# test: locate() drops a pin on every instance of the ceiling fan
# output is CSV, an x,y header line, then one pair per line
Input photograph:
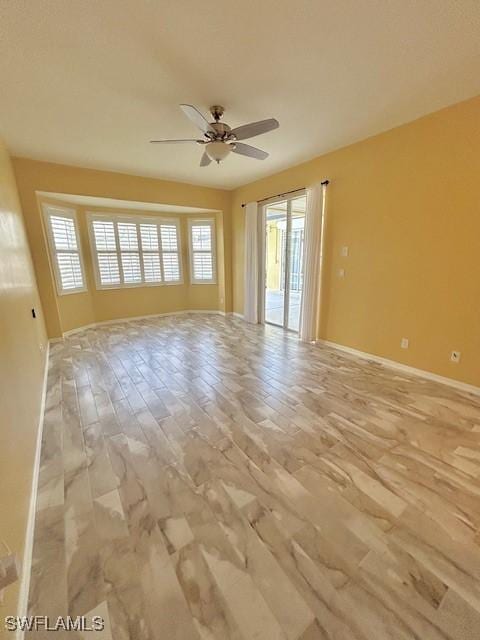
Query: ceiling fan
x,y
220,139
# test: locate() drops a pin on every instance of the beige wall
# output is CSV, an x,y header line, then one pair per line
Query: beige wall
x,y
22,360
68,312
406,203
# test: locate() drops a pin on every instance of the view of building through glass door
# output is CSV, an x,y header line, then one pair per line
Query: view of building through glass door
x,y
284,240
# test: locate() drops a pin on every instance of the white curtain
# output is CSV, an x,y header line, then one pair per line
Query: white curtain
x,y
314,217
250,308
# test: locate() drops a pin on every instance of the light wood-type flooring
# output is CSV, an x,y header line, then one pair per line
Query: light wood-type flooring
x,y
206,479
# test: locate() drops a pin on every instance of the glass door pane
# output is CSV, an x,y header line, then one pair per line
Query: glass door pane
x,y
294,275
275,262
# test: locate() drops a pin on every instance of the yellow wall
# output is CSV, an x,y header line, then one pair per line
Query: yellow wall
x,y
273,261
22,360
67,312
407,204
99,305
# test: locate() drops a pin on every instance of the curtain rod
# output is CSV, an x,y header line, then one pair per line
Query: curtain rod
x,y
286,193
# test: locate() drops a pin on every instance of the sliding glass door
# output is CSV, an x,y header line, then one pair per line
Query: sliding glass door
x,y
275,245
295,261
284,224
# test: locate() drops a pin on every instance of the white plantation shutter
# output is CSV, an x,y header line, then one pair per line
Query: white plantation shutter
x,y
108,268
106,246
63,231
149,236
151,267
170,257
201,237
202,251
64,249
130,257
70,271
171,267
151,252
202,266
135,253
127,236
169,237
104,233
131,268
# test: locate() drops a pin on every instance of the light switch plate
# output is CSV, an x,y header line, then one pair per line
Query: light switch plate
x,y
344,252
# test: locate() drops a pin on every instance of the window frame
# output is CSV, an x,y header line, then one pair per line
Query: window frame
x,y
50,210
212,223
138,220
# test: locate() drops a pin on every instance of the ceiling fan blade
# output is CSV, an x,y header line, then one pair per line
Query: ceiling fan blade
x,y
248,150
205,160
197,118
255,128
176,141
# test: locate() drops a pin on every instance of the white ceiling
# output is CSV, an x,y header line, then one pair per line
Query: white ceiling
x,y
89,82
114,203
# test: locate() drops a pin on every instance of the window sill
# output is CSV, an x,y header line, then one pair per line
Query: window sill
x,y
72,292
141,285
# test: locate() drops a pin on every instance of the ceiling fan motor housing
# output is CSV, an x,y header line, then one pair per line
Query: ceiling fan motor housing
x,y
222,130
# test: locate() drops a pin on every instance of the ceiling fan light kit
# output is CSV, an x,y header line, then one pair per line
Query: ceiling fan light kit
x,y
218,150
220,139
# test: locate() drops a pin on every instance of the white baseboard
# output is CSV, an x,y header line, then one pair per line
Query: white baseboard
x,y
22,606
72,332
393,364
214,311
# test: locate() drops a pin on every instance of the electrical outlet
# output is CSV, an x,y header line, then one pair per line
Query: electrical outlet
x,y
404,343
344,252
455,356
341,273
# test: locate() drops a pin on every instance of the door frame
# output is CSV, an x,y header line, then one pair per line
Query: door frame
x,y
262,254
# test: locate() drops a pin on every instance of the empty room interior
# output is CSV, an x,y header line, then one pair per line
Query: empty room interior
x,y
240,320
